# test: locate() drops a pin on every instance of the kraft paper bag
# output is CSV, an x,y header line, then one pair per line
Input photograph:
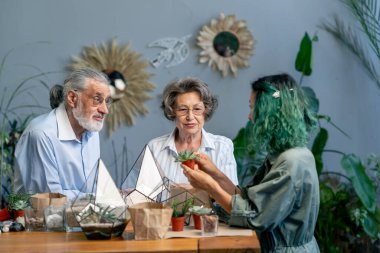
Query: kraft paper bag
x,y
40,201
181,192
150,220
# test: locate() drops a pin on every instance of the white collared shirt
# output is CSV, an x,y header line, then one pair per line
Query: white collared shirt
x,y
218,148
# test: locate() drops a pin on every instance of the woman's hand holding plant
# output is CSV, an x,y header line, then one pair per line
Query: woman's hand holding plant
x,y
198,178
205,164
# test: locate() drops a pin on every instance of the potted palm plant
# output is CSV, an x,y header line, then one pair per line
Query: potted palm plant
x,y
179,211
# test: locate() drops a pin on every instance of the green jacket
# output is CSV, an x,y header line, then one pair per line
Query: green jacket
x,y
282,203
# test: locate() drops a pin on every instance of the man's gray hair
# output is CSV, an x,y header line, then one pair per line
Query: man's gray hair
x,y
77,80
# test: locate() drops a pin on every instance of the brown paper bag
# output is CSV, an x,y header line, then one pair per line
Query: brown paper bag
x,y
181,192
40,201
150,220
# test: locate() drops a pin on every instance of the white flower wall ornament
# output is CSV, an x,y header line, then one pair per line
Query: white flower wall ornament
x,y
175,51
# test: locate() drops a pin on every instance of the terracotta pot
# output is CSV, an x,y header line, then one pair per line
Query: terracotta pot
x,y
178,223
18,213
4,214
197,221
189,163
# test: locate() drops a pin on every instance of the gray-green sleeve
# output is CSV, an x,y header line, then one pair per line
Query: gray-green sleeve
x,y
265,205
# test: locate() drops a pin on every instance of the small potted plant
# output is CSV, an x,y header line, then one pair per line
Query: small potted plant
x,y
196,212
179,211
17,202
187,157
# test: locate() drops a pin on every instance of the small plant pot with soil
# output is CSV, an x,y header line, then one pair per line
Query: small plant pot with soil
x,y
178,223
179,212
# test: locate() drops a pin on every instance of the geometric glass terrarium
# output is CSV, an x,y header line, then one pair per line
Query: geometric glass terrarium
x,y
145,182
100,209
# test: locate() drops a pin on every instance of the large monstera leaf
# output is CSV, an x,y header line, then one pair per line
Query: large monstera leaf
x,y
362,184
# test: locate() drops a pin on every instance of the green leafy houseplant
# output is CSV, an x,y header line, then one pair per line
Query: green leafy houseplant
x,y
13,120
349,214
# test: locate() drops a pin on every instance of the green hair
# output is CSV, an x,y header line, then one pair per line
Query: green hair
x,y
282,117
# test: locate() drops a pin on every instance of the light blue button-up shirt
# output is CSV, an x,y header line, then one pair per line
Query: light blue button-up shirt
x,y
218,148
49,157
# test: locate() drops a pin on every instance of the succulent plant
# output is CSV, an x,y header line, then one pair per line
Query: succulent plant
x,y
18,201
187,157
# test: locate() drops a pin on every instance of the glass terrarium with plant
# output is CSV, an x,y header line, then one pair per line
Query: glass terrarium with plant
x,y
100,209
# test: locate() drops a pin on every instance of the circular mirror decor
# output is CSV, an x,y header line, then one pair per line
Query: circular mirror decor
x,y
226,44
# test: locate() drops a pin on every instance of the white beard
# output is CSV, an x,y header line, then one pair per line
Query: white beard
x,y
87,123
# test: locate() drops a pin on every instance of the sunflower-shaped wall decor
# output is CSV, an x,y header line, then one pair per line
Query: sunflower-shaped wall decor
x,y
129,80
226,44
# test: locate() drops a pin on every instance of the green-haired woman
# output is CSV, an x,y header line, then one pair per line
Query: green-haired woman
x,y
282,202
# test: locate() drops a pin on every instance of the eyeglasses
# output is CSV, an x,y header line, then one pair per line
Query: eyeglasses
x,y
98,100
182,111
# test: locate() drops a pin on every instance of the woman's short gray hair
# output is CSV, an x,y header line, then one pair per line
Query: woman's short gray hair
x,y
178,87
77,80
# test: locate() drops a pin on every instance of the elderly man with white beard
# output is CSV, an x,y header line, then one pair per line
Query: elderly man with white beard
x,y
58,150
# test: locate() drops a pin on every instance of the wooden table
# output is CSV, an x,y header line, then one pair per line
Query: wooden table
x,y
28,242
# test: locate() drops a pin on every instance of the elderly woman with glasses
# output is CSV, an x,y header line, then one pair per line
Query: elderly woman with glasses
x,y
282,202
189,103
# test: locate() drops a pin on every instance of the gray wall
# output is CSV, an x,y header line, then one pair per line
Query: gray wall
x,y
344,89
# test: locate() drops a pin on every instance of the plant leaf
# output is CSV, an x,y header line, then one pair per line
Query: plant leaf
x,y
304,55
312,99
318,147
363,186
371,225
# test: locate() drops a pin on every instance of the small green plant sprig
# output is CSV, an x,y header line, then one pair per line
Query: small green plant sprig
x,y
179,211
186,155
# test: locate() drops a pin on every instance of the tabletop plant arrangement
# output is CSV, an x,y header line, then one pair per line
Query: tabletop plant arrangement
x,y
187,157
179,211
